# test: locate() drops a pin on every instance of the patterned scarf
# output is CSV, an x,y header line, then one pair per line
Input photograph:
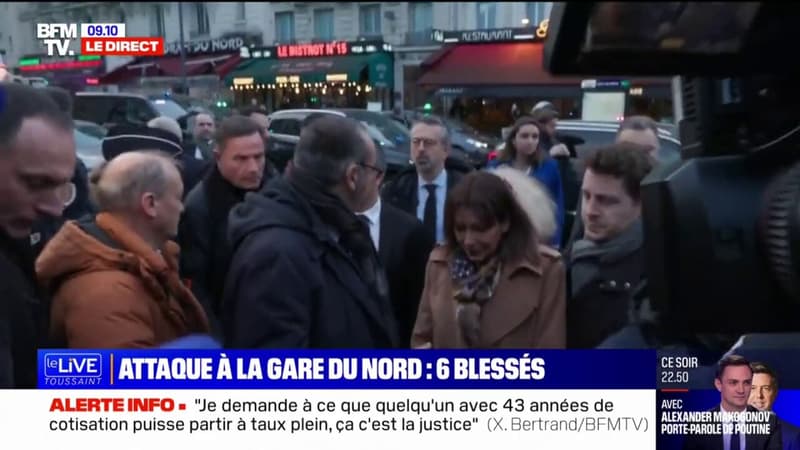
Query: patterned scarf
x,y
473,287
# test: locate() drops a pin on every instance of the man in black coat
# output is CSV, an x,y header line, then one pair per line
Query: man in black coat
x,y
304,271
37,162
238,168
606,266
403,247
421,189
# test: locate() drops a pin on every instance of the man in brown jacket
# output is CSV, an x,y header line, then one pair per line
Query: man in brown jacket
x,y
114,279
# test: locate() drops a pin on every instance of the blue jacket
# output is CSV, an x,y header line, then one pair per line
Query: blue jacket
x,y
548,174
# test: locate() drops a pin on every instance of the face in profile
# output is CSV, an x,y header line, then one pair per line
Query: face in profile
x,y
242,161
367,179
763,392
169,206
735,385
479,239
607,209
428,149
36,169
526,141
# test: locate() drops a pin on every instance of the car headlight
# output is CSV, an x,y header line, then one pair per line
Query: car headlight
x,y
478,144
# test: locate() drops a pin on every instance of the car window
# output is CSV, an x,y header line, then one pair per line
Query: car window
x,y
592,139
288,126
139,111
92,109
169,108
393,131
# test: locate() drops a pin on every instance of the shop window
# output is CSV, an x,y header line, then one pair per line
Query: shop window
x,y
323,24
284,27
370,20
241,11
487,15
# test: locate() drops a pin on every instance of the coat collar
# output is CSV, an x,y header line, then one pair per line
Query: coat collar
x,y
530,262
160,262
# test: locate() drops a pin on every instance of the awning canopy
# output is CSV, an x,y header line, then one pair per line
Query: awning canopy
x,y
501,63
170,66
377,68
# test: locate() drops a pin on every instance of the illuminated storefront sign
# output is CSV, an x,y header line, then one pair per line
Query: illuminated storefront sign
x,y
317,49
539,33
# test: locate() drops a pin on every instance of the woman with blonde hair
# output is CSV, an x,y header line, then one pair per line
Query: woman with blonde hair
x,y
490,285
523,151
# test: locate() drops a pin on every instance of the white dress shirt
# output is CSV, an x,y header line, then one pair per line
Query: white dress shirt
x,y
373,215
726,437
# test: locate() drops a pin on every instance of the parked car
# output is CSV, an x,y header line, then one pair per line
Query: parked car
x,y
91,128
285,125
466,143
109,109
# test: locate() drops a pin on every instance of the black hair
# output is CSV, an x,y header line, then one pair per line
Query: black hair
x,y
61,96
624,160
234,127
730,361
328,145
19,102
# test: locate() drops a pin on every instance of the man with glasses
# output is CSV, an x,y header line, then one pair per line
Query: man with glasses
x,y
403,247
421,190
37,162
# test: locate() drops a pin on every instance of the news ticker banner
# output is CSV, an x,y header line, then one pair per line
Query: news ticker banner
x,y
100,39
343,399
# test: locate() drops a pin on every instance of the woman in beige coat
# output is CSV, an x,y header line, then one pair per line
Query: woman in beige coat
x,y
490,285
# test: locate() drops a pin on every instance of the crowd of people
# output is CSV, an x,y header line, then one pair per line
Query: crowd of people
x,y
170,239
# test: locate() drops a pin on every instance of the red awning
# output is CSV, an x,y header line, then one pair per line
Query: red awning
x,y
218,65
505,63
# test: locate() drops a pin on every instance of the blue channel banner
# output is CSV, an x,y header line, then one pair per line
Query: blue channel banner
x,y
346,369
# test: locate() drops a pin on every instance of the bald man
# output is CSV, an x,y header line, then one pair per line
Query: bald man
x,y
114,279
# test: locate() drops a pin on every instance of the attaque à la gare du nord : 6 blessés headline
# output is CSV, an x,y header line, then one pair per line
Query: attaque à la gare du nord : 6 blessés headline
x,y
96,39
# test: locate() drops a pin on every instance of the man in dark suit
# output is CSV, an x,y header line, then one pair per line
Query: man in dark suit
x,y
734,379
403,247
762,397
421,189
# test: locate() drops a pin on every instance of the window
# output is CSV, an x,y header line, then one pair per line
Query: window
x,y
157,21
284,26
369,19
121,16
285,126
201,26
421,16
487,14
323,24
538,11
241,11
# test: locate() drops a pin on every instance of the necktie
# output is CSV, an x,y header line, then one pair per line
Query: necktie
x,y
365,220
429,216
735,441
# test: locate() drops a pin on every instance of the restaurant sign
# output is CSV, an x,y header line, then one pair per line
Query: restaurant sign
x,y
528,34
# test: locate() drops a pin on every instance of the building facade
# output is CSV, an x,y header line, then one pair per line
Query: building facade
x,y
407,27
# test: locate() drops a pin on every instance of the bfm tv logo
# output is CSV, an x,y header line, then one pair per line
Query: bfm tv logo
x,y
77,365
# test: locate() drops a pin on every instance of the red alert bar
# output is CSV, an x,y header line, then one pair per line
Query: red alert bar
x,y
123,46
